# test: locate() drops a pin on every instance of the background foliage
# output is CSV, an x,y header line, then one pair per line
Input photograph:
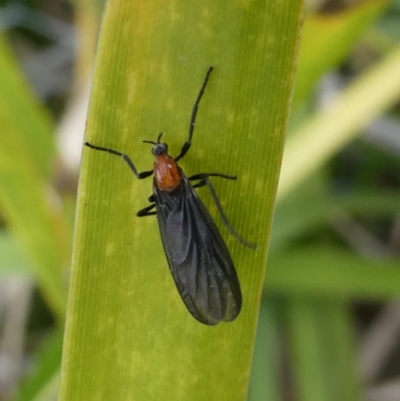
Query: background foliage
x,y
329,321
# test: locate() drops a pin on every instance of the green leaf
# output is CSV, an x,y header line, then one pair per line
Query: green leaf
x,y
313,208
327,40
11,260
329,272
334,127
128,334
266,369
322,350
45,372
30,205
19,107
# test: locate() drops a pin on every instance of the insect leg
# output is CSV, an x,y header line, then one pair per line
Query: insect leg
x,y
201,176
124,157
224,219
146,211
186,145
200,184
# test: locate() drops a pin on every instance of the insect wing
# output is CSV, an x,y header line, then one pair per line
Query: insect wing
x,y
198,258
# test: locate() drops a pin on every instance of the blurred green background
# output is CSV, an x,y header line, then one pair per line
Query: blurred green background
x,y
329,325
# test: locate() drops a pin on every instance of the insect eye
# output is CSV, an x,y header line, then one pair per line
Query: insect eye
x,y
160,149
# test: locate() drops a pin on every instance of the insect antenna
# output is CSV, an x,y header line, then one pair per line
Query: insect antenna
x,y
188,143
158,139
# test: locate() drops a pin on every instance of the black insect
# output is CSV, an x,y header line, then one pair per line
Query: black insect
x,y
198,258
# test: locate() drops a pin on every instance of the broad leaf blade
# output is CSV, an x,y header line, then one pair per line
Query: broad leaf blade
x,y
128,333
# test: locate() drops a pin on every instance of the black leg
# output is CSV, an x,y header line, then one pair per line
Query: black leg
x,y
124,157
224,219
146,211
186,145
206,175
200,184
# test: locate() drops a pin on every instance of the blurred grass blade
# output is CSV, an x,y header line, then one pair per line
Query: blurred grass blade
x,y
19,105
327,40
265,369
306,350
313,208
331,129
12,261
46,370
33,212
333,273
124,311
50,390
322,350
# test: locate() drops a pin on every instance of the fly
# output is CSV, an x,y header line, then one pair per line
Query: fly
x,y
197,255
